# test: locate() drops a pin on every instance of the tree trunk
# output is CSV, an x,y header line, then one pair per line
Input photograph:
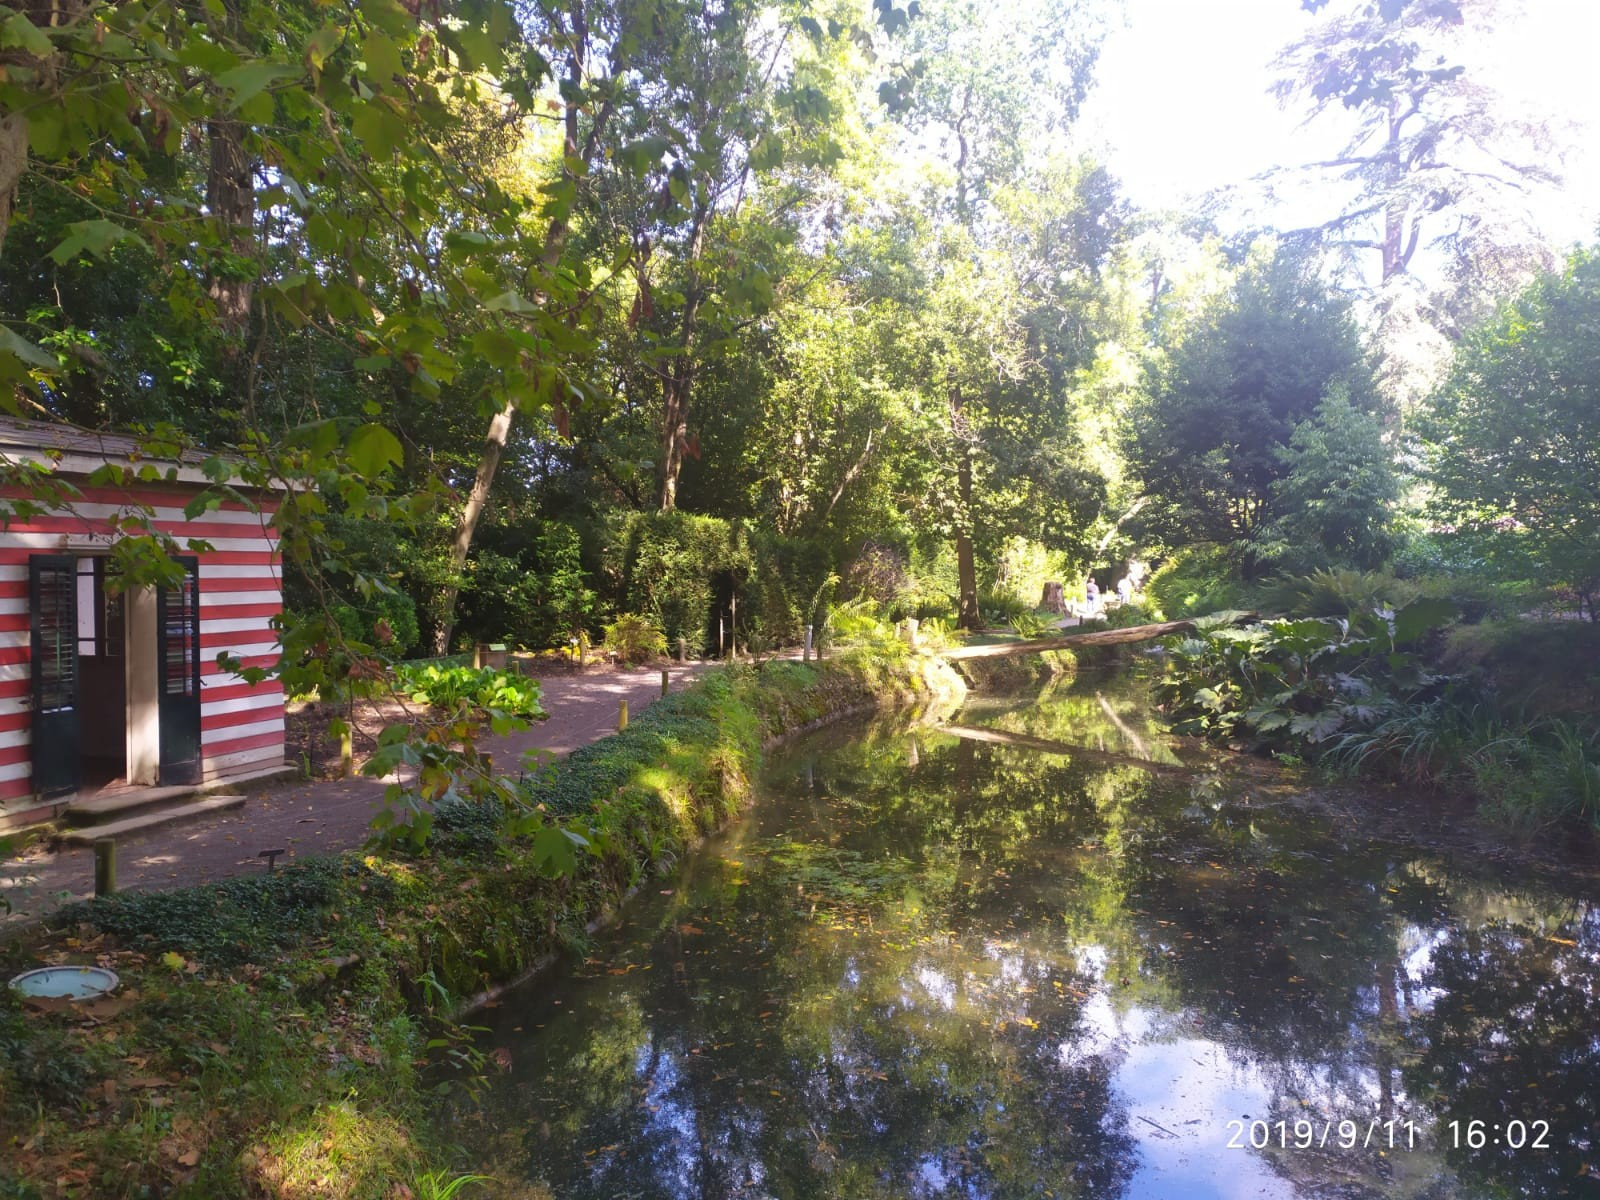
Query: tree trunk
x,y
967,615
13,165
674,435
675,392
46,79
494,445
231,197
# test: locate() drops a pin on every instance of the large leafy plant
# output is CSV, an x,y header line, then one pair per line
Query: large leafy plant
x,y
496,692
1299,684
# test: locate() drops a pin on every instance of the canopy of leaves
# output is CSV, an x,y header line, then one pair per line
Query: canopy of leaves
x,y
1208,442
1515,430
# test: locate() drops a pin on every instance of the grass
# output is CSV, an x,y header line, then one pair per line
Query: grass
x,y
287,1034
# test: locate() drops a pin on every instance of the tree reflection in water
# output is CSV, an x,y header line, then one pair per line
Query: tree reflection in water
x,y
928,966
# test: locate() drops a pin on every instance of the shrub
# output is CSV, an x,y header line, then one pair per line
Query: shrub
x,y
859,627
684,570
386,621
533,594
238,920
1135,612
1197,580
635,639
1030,624
1297,685
483,688
878,573
1002,607
1336,593
1537,668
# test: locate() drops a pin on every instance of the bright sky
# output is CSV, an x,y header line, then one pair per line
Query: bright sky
x,y
1182,104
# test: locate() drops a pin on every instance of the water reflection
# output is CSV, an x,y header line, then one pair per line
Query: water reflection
x,y
932,966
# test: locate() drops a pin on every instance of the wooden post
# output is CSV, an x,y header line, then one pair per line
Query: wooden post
x,y
347,751
805,653
683,649
665,679
105,866
622,716
477,656
733,626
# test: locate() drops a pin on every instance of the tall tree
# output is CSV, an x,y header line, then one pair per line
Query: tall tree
x,y
1208,440
1432,153
982,96
1515,432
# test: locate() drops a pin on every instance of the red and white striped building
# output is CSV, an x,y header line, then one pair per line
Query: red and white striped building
x,y
105,686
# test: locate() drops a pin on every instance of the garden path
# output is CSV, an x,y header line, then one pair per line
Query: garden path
x,y
307,818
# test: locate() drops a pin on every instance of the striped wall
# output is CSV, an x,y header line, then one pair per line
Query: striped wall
x,y
241,725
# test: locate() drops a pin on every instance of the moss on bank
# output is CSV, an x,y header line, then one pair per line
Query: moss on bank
x,y
272,1032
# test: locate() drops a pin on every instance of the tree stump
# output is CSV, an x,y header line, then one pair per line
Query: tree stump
x,y
1054,599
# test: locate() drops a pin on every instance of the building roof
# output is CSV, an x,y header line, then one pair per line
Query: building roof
x,y
70,450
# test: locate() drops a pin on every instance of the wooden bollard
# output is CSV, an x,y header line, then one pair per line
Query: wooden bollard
x,y
622,716
105,866
347,752
665,680
683,649
805,652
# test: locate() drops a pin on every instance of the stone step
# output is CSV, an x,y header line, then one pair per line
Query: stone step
x,y
152,818
125,801
122,802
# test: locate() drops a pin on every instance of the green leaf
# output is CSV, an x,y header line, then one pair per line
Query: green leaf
x,y
555,849
1421,616
47,133
481,48
22,33
637,158
13,344
373,450
1319,726
94,237
383,58
510,302
321,44
495,347
380,131
767,153
250,80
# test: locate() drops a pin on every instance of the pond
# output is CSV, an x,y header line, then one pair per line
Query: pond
x,y
1041,955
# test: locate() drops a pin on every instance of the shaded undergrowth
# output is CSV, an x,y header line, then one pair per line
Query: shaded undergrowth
x,y
284,1034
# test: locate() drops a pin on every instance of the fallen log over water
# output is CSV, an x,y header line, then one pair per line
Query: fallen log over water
x,y
1099,637
998,737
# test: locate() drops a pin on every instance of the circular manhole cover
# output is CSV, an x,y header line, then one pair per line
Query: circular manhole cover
x,y
69,983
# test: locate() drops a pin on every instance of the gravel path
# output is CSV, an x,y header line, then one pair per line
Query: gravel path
x,y
311,818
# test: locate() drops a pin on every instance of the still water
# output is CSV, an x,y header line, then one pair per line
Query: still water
x,y
1040,956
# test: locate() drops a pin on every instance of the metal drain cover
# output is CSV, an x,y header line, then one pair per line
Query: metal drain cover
x,y
66,983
